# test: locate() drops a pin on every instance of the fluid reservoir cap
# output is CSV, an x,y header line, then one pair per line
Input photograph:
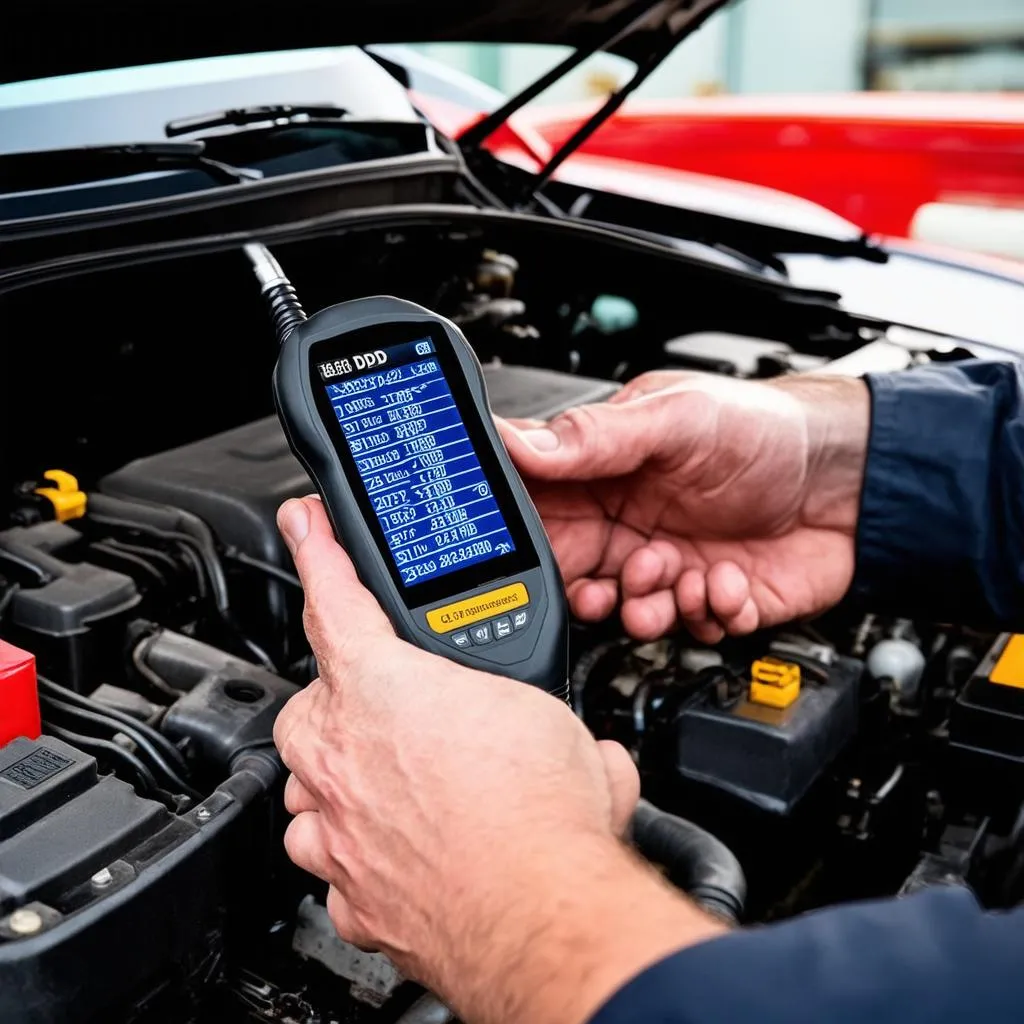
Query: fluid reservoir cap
x,y
67,498
899,660
774,682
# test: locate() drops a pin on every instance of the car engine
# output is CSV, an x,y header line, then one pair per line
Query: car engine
x,y
146,597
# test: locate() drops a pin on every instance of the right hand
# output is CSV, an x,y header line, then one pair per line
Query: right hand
x,y
731,505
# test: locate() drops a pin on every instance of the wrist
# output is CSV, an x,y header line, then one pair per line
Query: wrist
x,y
837,412
581,926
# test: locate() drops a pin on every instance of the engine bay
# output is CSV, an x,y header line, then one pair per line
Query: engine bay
x,y
142,578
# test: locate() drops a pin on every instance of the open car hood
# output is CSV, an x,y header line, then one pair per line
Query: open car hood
x,y
44,38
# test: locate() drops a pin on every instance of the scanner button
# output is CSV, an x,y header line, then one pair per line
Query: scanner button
x,y
481,634
520,619
502,627
461,640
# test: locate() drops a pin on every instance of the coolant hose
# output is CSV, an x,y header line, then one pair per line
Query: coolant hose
x,y
698,863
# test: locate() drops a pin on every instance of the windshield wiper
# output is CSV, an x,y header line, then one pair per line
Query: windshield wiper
x,y
275,114
58,168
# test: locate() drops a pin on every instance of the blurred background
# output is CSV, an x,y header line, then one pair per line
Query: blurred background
x,y
830,46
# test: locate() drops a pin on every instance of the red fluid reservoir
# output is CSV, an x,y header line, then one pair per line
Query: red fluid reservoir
x,y
19,698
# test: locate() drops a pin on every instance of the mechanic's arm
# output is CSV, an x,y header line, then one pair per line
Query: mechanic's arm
x,y
932,958
467,825
941,527
735,505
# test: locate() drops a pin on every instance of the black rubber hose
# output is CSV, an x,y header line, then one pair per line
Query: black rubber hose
x,y
265,567
106,748
187,530
141,742
698,863
158,739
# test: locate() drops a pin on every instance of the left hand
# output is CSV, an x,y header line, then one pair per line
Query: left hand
x,y
442,804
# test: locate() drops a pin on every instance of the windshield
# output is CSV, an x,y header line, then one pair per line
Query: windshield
x,y
338,106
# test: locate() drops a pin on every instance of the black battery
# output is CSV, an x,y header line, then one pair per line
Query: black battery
x,y
986,729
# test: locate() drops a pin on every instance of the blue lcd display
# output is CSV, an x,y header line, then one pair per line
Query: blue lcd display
x,y
418,465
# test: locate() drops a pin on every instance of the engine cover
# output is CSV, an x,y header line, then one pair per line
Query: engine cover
x,y
236,480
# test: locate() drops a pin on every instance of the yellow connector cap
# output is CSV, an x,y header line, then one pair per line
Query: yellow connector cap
x,y
774,696
67,498
774,682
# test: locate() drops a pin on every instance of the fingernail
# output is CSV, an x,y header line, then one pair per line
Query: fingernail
x,y
542,439
293,522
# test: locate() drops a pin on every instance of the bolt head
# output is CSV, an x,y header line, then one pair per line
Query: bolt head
x,y
25,922
203,814
102,878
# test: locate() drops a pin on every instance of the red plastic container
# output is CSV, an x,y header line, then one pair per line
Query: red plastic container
x,y
19,696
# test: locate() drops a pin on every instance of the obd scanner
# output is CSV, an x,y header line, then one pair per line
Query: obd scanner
x,y
384,404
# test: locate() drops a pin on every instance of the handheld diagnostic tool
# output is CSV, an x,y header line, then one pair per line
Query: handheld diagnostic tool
x,y
384,404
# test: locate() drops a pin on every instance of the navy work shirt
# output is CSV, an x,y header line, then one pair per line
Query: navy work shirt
x,y
940,536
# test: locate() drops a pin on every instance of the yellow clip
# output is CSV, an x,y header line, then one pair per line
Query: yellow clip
x,y
774,682
67,498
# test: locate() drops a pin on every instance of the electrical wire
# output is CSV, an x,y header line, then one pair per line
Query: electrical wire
x,y
265,567
41,575
286,312
140,741
107,747
55,691
157,681
214,573
5,601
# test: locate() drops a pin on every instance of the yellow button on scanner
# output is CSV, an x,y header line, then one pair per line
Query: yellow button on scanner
x,y
473,609
1009,669
774,682
67,498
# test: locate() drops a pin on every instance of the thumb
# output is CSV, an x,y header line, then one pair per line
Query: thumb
x,y
341,615
623,783
589,441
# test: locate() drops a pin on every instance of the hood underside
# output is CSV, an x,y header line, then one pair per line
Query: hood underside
x,y
45,38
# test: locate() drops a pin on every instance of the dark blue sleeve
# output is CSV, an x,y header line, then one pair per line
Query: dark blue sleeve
x,y
941,528
931,958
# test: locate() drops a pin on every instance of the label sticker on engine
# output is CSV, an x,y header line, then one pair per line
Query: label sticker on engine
x,y
36,768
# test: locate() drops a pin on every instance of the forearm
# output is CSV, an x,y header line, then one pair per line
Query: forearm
x,y
838,416
573,927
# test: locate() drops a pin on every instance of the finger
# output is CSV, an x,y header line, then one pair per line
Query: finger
x,y
516,423
746,620
705,631
651,617
729,598
691,598
728,589
304,842
296,727
341,615
692,595
623,783
593,600
591,441
297,798
343,919
656,566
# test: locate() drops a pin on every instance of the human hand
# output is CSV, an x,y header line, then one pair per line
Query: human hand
x,y
465,822
731,505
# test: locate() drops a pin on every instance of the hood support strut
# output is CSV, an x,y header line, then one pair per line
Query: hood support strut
x,y
598,118
477,134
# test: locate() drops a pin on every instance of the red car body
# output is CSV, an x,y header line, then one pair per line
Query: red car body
x,y
873,158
